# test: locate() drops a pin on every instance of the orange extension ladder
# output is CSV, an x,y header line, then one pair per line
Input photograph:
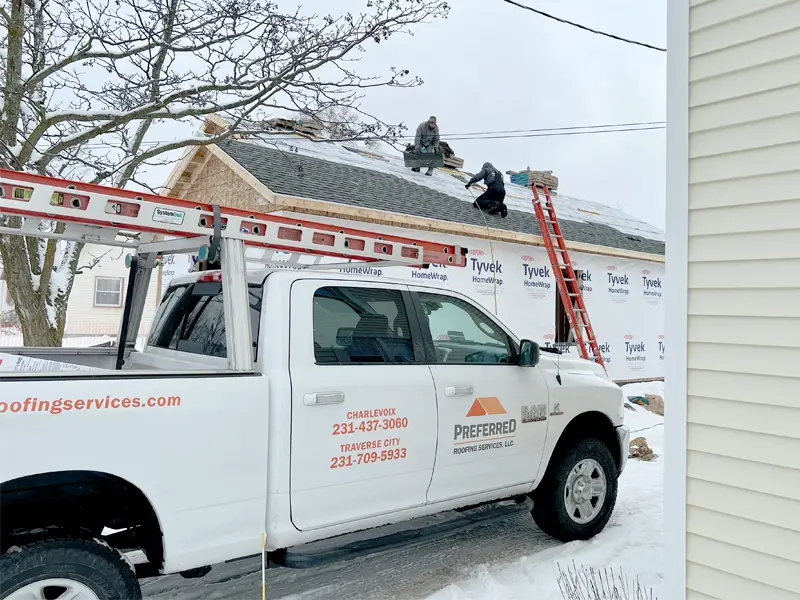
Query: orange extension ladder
x,y
566,280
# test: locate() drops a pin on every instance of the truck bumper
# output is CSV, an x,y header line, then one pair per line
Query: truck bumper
x,y
624,437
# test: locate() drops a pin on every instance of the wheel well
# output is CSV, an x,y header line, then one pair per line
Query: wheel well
x,y
589,425
80,504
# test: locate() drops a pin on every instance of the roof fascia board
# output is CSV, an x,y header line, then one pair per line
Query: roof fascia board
x,y
379,217
178,169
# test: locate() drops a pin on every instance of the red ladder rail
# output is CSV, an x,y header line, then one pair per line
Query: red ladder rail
x,y
110,211
568,287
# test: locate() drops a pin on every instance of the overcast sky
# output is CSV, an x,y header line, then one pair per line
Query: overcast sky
x,y
491,66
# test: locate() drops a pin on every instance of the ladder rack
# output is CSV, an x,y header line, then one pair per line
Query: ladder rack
x,y
566,281
111,216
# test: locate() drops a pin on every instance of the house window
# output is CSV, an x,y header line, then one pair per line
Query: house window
x,y
108,291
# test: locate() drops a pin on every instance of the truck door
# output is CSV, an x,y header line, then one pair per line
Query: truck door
x,y
492,413
363,403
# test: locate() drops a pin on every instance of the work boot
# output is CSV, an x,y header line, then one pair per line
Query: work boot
x,y
504,212
415,169
429,171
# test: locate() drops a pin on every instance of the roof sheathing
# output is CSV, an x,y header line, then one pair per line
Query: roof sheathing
x,y
331,172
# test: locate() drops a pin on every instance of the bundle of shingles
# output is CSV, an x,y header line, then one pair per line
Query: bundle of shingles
x,y
310,127
540,178
450,158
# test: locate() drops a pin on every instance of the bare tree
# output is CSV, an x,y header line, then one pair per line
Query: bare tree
x,y
88,82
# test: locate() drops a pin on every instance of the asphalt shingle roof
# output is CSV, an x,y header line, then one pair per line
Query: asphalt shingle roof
x,y
318,179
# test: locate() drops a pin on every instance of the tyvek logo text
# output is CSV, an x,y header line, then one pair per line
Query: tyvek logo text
x,y
605,351
486,271
362,271
617,282
651,286
536,276
634,351
430,274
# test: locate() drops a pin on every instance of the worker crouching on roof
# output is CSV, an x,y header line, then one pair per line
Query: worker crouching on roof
x,y
493,199
427,140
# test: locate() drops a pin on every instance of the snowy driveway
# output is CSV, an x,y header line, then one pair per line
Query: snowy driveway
x,y
411,572
509,559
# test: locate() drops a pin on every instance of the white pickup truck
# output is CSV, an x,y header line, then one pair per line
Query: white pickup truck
x,y
370,402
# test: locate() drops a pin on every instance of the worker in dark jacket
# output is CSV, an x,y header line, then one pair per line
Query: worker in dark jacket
x,y
427,140
493,199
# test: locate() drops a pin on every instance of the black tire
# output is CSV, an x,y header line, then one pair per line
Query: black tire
x,y
549,500
92,564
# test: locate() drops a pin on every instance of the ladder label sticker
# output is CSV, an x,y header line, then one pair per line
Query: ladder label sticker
x,y
168,215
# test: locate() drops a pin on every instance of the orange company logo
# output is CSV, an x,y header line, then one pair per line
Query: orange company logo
x,y
486,406
484,435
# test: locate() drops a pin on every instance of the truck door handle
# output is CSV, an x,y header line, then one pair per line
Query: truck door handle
x,y
458,390
323,398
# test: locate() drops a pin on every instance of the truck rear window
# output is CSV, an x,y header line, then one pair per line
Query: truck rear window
x,y
191,319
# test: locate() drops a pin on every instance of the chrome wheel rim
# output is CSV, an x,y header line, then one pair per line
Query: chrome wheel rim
x,y
585,491
54,589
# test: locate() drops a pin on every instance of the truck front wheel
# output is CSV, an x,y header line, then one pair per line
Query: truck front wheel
x,y
577,496
66,569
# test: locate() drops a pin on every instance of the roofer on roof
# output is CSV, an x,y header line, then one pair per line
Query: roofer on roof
x,y
427,140
493,199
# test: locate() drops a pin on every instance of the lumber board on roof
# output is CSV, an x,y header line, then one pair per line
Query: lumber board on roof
x,y
453,161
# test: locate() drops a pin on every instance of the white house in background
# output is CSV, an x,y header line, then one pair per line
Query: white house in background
x,y
733,307
98,294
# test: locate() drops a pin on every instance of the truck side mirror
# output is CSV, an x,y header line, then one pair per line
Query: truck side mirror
x,y
528,354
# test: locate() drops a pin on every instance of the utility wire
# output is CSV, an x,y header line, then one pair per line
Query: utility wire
x,y
584,27
556,131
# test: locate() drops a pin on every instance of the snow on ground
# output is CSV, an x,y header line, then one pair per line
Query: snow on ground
x,y
517,197
505,560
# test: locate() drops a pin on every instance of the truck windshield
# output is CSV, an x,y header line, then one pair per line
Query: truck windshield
x,y
191,319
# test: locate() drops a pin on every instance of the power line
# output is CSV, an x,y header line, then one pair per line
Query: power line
x,y
558,133
484,135
584,27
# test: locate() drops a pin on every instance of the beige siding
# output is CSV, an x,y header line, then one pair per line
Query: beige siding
x,y
743,432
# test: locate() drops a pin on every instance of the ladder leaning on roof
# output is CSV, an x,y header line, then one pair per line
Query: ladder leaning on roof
x,y
115,217
566,281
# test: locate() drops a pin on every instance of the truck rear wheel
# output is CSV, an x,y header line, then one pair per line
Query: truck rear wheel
x,y
68,568
578,494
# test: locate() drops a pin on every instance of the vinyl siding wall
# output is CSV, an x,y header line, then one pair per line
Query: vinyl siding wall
x,y
83,317
743,430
